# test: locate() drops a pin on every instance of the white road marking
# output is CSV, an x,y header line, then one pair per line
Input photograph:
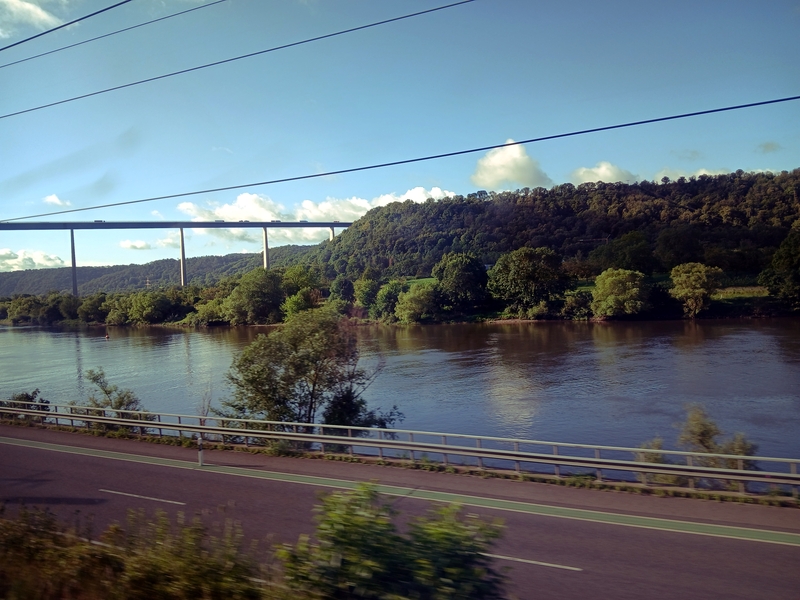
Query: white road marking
x,y
532,562
144,497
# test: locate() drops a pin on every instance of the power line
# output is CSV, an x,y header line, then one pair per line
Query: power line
x,y
415,160
78,20
100,37
235,58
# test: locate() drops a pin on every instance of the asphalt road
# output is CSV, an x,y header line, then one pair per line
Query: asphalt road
x,y
558,542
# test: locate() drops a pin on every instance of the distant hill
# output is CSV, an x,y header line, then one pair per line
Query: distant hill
x,y
203,270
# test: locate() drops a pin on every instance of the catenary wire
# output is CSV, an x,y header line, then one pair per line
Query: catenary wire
x,y
235,58
105,35
78,20
418,159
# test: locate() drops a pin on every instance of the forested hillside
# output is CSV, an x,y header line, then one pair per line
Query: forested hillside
x,y
733,221
202,271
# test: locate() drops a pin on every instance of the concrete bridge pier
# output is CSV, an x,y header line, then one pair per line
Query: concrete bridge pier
x,y
266,248
74,264
330,237
183,261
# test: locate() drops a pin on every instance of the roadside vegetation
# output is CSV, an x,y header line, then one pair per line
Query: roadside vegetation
x,y
601,251
356,553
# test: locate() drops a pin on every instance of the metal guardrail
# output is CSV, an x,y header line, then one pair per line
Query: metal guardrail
x,y
500,452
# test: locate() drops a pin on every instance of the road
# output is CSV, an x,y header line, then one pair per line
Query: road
x,y
559,542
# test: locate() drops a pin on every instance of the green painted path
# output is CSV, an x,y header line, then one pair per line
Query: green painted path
x,y
677,526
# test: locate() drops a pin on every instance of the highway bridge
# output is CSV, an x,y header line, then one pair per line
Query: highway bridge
x,y
179,225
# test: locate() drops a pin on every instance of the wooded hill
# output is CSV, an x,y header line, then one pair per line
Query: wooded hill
x,y
202,271
733,221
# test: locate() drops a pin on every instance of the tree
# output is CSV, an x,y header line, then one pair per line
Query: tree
x,y
462,280
365,291
299,277
358,553
678,245
90,309
149,307
386,300
256,300
694,284
631,251
528,277
305,299
296,371
782,278
421,303
342,288
118,401
618,293
699,434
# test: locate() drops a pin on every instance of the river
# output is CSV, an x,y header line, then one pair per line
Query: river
x,y
594,383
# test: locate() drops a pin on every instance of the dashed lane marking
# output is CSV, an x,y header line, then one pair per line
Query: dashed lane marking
x,y
578,514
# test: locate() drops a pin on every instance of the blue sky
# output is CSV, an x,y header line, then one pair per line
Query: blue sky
x,y
469,76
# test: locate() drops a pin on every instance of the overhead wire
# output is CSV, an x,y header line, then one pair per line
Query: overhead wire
x,y
105,35
78,20
235,58
416,160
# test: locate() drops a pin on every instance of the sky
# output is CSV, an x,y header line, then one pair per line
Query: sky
x,y
478,74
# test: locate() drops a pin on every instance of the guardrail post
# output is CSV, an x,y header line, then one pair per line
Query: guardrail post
x,y
158,418
742,488
200,449
598,472
411,439
380,448
793,470
350,434
557,466
444,454
690,463
180,433
516,462
480,458
246,439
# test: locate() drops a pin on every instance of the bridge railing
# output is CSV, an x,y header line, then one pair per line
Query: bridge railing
x,y
486,452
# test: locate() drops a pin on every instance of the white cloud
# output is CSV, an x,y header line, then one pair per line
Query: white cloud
x,y
602,171
135,245
157,214
254,207
510,164
173,240
14,13
55,200
27,259
674,174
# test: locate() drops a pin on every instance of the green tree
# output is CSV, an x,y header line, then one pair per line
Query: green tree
x,y
90,310
305,299
342,288
782,278
149,307
631,251
421,303
529,277
256,300
619,293
298,277
298,370
462,280
694,284
118,402
386,300
699,434
365,291
358,553
678,245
